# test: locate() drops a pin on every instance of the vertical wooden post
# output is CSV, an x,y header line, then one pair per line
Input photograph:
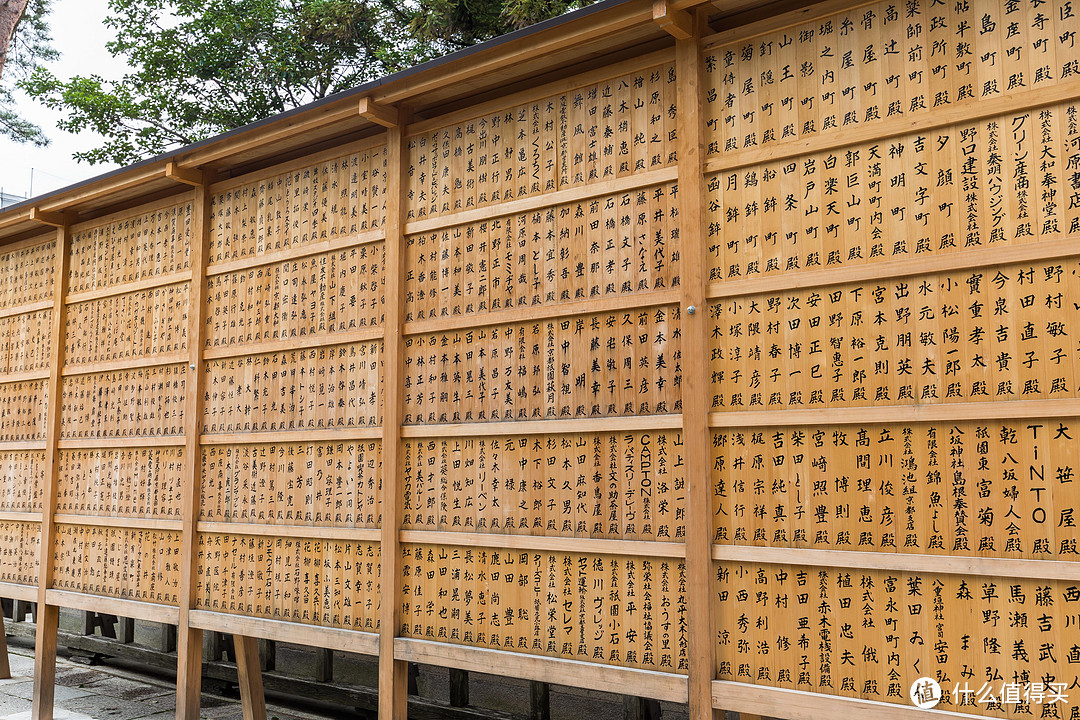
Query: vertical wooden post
x,y
324,665
696,436
127,630
267,655
539,701
189,639
5,668
252,699
393,674
48,616
167,643
459,688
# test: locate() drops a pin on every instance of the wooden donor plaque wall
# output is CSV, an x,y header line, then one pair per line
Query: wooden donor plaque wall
x,y
743,373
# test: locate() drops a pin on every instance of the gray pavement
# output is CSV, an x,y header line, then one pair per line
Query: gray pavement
x,y
104,693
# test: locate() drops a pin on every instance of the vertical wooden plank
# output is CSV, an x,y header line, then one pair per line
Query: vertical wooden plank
x,y
393,674
252,699
189,639
696,435
48,617
324,665
539,701
459,688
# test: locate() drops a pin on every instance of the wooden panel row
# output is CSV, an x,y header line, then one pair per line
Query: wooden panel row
x,y
605,130
1006,180
131,247
144,402
118,562
340,291
21,476
22,410
605,364
25,342
625,611
871,633
141,324
1003,489
592,485
326,387
330,583
996,333
329,484
860,67
19,557
26,274
121,482
607,246
342,196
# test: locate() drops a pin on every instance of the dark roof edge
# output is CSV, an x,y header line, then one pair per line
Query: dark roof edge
x,y
329,99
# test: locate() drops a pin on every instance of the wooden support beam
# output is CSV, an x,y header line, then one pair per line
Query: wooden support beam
x,y
167,641
187,176
677,23
53,219
5,667
252,698
459,688
127,630
267,655
638,708
539,701
190,639
393,673
324,665
48,616
695,327
383,115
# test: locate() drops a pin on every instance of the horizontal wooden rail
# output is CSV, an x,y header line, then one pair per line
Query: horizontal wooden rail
x,y
121,607
19,516
312,532
572,673
149,283
546,543
287,436
1066,247
14,591
22,445
105,443
113,521
294,253
353,641
542,312
947,412
26,308
618,186
801,705
901,562
536,427
174,358
295,343
24,376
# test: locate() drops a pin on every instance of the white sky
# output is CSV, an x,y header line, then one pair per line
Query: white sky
x,y
79,33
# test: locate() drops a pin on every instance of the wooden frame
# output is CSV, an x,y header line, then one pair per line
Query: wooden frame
x,y
509,370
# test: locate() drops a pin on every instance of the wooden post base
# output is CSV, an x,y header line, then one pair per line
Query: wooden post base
x,y
249,674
